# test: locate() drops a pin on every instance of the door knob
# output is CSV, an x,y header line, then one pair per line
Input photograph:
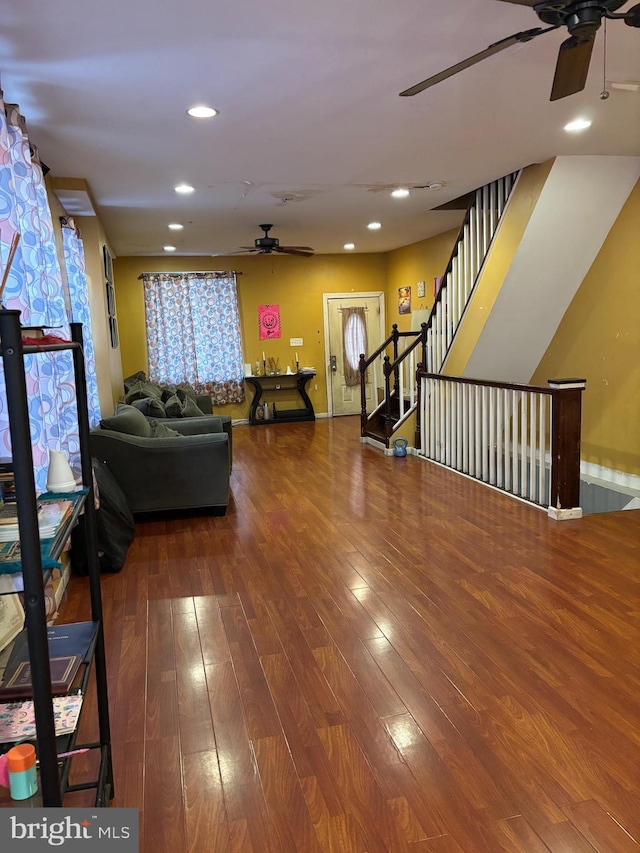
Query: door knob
x,y
332,364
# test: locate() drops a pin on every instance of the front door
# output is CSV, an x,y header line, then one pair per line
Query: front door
x,y
350,321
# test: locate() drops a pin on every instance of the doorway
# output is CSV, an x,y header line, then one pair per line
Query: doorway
x,y
353,323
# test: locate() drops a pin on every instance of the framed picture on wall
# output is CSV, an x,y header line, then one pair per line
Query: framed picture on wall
x,y
113,331
404,300
111,300
108,266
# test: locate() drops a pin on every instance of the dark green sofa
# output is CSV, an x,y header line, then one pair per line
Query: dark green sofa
x,y
171,403
168,464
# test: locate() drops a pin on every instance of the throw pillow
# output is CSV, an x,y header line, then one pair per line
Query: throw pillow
x,y
141,390
192,410
140,376
185,391
129,420
150,407
187,397
159,430
168,391
173,407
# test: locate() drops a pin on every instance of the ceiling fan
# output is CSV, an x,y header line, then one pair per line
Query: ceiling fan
x,y
267,245
582,19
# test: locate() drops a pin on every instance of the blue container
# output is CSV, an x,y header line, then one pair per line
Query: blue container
x,y
23,778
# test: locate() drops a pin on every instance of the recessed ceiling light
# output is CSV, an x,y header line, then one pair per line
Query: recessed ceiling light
x,y
200,111
169,248
434,186
185,189
577,124
349,246
401,192
175,226
374,226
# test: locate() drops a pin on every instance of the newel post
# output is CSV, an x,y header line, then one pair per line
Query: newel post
x,y
566,417
362,367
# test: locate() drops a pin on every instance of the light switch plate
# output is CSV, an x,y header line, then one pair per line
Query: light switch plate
x,y
295,342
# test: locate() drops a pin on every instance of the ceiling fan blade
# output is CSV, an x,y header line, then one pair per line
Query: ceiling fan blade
x,y
292,250
572,67
496,47
530,3
300,248
243,250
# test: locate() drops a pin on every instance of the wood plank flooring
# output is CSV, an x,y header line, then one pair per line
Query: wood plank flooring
x,y
371,654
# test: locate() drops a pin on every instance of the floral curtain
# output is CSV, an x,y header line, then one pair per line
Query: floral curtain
x,y
80,309
34,287
193,332
354,339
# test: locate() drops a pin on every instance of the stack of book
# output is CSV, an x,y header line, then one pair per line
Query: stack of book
x,y
68,648
51,514
7,480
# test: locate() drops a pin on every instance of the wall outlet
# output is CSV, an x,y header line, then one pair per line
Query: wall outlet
x,y
295,342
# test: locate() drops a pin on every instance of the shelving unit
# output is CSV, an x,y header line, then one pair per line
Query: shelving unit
x,y
54,778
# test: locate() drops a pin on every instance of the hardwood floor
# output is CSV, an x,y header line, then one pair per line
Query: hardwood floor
x,y
370,653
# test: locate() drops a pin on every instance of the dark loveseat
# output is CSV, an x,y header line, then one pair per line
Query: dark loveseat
x,y
169,464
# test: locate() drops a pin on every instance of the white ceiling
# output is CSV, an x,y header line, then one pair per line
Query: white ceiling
x,y
310,124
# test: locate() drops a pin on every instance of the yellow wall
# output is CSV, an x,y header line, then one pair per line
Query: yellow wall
x,y
295,284
599,340
408,265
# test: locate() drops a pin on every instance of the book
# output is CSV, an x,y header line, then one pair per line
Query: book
x,y
9,514
18,721
16,682
71,639
32,331
68,648
11,619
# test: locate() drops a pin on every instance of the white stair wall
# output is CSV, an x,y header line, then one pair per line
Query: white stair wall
x,y
578,205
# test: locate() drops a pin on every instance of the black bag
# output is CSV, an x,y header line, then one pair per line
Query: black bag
x,y
114,522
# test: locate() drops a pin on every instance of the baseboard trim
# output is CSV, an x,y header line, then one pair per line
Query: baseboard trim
x,y
622,481
564,514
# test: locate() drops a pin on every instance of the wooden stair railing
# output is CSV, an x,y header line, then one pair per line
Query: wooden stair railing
x,y
520,439
395,370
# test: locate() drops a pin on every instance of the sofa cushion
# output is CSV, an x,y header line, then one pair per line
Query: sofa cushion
x,y
160,430
151,407
129,420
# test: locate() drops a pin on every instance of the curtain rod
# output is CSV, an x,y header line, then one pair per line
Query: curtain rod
x,y
189,272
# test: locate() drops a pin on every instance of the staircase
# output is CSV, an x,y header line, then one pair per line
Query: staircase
x,y
392,367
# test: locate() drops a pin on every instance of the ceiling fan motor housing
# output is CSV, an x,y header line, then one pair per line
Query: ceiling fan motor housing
x,y
266,244
582,18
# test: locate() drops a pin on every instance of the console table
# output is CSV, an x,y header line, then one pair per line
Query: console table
x,y
284,382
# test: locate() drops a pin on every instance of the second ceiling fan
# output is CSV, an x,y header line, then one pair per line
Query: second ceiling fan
x,y
582,19
267,245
